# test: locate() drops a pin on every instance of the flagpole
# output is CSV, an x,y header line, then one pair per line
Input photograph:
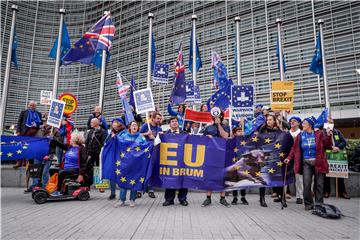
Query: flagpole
x,y
194,18
282,73
7,71
239,80
58,54
102,80
326,87
148,85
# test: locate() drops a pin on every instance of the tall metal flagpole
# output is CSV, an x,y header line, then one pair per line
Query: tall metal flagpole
x,y
148,85
326,86
194,18
102,79
7,71
58,54
282,73
239,81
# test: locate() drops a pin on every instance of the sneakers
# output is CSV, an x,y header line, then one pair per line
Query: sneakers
x,y
138,195
55,194
132,203
120,204
29,190
152,195
278,199
244,201
111,197
299,201
234,201
224,202
207,202
168,203
184,203
262,202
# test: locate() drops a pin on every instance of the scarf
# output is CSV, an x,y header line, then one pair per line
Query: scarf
x,y
33,119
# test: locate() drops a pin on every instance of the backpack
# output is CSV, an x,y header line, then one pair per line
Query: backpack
x,y
327,211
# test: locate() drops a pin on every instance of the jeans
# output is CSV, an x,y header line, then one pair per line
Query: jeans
x,y
308,172
59,154
123,194
299,185
112,187
45,173
35,181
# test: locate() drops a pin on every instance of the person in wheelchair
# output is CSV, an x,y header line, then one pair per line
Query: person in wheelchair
x,y
74,161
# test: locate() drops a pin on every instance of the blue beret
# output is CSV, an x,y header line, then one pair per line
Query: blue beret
x,y
259,105
310,120
119,120
295,118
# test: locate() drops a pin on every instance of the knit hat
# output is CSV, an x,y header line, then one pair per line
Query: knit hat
x,y
119,120
295,118
310,120
258,106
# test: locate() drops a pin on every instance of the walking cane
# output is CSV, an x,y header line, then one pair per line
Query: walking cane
x,y
283,203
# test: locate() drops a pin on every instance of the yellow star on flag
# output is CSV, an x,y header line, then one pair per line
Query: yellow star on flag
x,y
122,155
128,149
88,42
243,142
81,46
132,182
19,151
9,154
234,159
24,147
137,148
142,180
146,149
123,179
278,146
255,139
236,149
258,174
118,172
237,167
267,140
282,154
271,170
118,163
12,142
279,163
246,172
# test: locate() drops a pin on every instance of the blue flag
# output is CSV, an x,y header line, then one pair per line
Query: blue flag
x,y
198,57
129,117
178,94
21,147
127,163
89,48
153,53
65,44
319,123
132,89
13,50
316,63
220,72
222,97
278,57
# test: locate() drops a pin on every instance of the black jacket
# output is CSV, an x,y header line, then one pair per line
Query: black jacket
x,y
339,139
95,140
21,124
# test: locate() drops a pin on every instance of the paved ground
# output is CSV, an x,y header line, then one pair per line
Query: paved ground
x,y
98,219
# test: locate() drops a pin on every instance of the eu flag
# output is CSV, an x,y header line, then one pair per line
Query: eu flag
x,y
178,94
198,57
316,63
129,117
153,53
65,44
89,48
127,163
220,72
132,89
319,123
20,147
13,50
278,57
222,97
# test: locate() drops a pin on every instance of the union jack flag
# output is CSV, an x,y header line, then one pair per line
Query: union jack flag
x,y
122,90
102,33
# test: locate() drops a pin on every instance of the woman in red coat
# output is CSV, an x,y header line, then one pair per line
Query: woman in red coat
x,y
308,152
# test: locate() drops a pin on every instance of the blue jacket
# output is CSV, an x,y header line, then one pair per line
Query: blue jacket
x,y
128,137
180,116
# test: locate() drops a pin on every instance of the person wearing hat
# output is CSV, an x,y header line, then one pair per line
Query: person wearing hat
x,y
294,131
258,110
308,154
117,128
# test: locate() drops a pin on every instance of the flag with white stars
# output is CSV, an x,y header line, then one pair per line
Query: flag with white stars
x,y
197,96
21,147
161,73
242,96
127,163
189,86
144,101
222,97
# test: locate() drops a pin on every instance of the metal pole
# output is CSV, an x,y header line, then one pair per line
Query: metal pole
x,y
151,18
194,18
7,71
58,54
237,22
282,74
314,30
102,80
326,87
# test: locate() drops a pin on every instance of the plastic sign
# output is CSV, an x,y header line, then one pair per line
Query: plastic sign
x,y
70,101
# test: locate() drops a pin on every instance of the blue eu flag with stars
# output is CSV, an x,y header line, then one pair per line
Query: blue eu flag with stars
x,y
278,56
222,97
127,163
13,50
242,96
198,57
316,63
89,48
65,44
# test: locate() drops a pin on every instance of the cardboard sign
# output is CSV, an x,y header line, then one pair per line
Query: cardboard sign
x,y
71,103
100,183
144,101
45,97
282,95
56,113
338,164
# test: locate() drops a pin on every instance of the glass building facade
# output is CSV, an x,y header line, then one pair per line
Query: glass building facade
x,y
37,27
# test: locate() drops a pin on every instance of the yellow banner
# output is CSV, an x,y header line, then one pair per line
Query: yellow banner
x,y
282,95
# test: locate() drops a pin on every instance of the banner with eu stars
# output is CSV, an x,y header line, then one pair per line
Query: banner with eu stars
x,y
161,73
21,147
127,163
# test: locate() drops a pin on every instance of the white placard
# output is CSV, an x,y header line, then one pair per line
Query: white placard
x,y
144,101
56,113
45,97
